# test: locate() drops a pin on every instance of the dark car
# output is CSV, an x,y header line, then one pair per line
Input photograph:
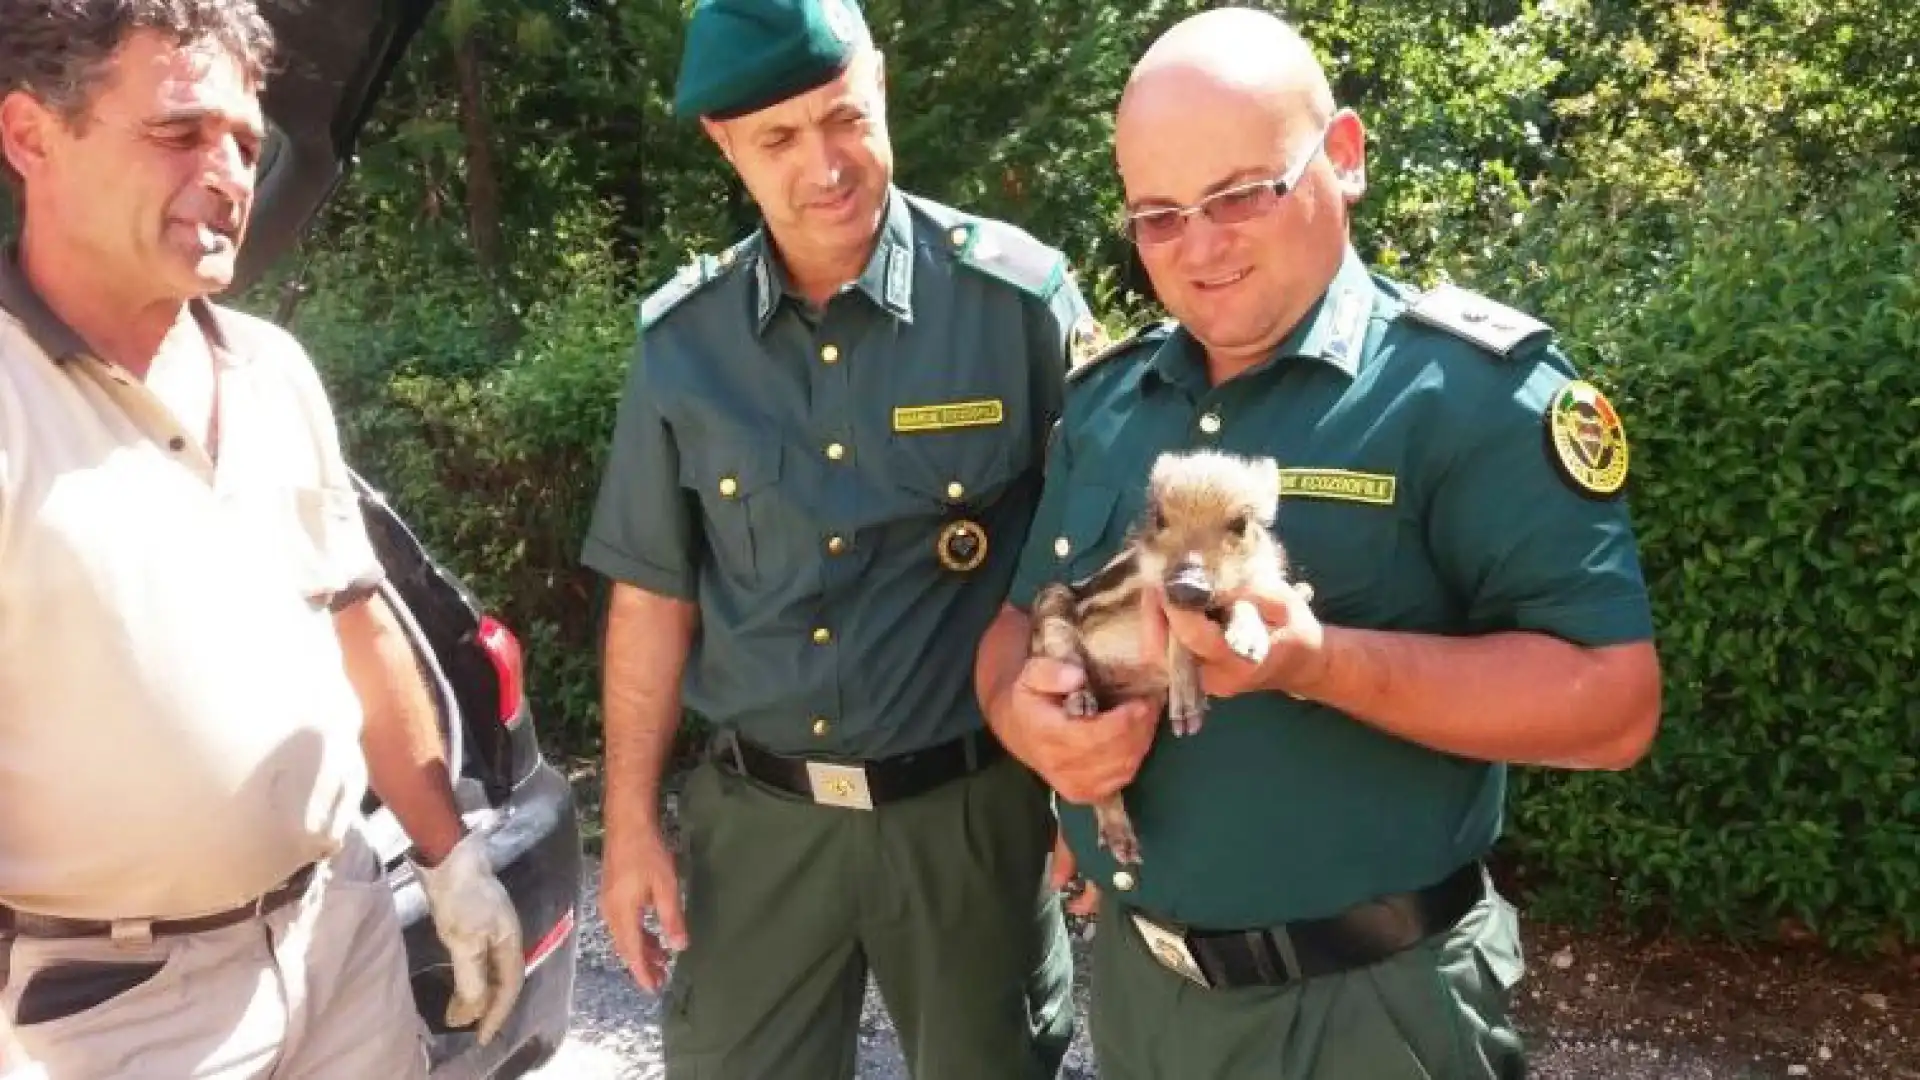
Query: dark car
x,y
336,59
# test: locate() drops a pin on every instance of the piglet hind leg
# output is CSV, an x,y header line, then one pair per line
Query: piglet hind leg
x,y
1116,830
1186,704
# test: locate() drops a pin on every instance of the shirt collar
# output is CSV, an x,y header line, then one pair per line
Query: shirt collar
x,y
47,330
61,342
887,279
1333,331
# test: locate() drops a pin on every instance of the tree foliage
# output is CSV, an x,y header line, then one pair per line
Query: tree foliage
x,y
1711,200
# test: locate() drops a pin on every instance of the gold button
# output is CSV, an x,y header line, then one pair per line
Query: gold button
x,y
1210,423
830,354
836,545
728,486
1123,881
954,491
836,451
822,635
959,236
726,257
820,725
1061,547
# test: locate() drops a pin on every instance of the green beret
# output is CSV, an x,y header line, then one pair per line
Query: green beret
x,y
745,55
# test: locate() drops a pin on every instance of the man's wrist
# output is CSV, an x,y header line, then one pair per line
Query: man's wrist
x,y
1314,675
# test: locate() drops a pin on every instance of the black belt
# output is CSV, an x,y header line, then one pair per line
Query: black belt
x,y
28,924
861,785
1276,955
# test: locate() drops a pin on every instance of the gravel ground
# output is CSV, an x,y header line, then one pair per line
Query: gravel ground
x,y
617,1036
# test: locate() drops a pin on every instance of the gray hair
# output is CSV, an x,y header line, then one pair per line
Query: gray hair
x,y
58,51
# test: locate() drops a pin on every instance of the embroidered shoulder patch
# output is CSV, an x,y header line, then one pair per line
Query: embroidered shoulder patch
x,y
1487,323
1586,440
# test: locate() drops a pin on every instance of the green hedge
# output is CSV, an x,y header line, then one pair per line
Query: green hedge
x,y
1754,317
1768,377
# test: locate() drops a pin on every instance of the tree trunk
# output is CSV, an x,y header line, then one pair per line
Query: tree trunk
x,y
483,180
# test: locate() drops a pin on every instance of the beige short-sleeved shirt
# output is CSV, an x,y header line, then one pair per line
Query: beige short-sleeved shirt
x,y
177,730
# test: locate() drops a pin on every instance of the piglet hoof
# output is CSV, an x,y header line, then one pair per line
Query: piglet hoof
x,y
1118,838
1081,704
1248,640
1185,716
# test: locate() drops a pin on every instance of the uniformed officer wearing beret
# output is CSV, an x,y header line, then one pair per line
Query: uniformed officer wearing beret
x,y
825,461
1310,900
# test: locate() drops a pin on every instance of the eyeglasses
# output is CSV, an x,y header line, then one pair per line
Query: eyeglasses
x,y
1237,204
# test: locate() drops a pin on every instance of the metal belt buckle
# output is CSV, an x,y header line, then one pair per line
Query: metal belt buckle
x,y
1170,949
839,785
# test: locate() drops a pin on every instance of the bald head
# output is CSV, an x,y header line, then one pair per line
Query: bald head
x,y
1238,54
1230,109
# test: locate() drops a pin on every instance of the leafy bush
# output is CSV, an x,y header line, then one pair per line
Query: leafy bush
x,y
1707,201
1765,368
491,450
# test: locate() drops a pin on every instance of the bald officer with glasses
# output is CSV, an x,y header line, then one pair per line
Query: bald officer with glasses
x,y
1310,899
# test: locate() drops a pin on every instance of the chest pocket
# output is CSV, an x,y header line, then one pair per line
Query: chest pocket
x,y
1090,530
734,480
957,445
1342,532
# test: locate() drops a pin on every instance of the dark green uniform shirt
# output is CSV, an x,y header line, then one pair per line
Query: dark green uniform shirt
x,y
1418,494
797,474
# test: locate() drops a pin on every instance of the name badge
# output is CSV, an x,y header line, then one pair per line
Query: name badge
x,y
952,415
1341,485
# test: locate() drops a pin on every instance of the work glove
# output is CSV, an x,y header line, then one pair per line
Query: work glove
x,y
475,920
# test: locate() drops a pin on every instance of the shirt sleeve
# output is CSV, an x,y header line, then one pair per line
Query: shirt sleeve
x,y
643,531
1037,562
1052,327
330,512
1525,547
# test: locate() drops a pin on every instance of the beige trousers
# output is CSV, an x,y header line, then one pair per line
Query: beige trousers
x,y
315,991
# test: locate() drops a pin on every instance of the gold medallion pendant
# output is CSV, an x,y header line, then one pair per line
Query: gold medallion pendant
x,y
962,545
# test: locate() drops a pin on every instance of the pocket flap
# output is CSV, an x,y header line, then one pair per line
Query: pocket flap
x,y
731,470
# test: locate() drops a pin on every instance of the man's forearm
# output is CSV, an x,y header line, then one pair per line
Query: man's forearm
x,y
648,637
400,736
1517,697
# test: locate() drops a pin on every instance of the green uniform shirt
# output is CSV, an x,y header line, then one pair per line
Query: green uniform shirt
x,y
796,473
1419,493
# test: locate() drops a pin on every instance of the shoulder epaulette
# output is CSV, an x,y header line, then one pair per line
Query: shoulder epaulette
x,y
998,249
1159,329
1493,326
688,280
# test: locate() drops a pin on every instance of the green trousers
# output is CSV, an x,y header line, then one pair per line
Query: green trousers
x,y
942,898
1438,1011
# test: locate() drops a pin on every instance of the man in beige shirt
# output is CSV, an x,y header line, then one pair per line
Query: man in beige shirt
x,y
198,678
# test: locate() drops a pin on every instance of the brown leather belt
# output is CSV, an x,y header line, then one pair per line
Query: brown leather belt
x,y
14,923
860,785
1275,955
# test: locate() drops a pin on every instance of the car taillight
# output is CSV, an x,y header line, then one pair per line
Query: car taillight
x,y
504,650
